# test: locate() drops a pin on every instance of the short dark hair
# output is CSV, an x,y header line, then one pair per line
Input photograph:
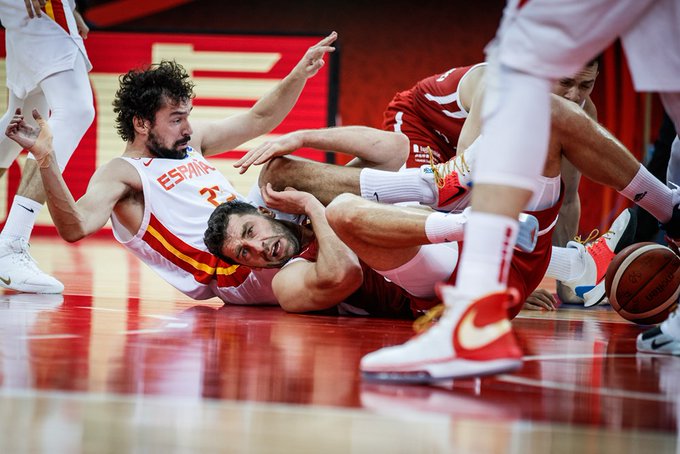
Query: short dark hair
x,y
142,93
218,221
597,60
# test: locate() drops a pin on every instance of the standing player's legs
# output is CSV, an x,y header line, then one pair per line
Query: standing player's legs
x,y
665,338
538,41
68,96
671,103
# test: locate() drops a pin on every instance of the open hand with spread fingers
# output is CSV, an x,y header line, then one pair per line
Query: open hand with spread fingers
x,y
266,151
37,140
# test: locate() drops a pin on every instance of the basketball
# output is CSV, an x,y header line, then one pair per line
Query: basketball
x,y
643,282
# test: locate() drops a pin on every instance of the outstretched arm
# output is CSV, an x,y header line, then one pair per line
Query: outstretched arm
x,y
304,286
372,147
73,220
226,134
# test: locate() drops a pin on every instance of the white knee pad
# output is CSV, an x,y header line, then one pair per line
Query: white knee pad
x,y
516,128
69,96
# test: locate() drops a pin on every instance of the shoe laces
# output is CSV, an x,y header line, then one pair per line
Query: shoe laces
x,y
425,321
597,247
22,256
442,170
593,242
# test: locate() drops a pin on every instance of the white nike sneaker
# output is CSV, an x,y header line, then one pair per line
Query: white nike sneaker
x,y
473,338
596,256
20,272
656,341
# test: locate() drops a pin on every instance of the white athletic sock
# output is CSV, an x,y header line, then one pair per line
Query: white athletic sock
x,y
393,187
21,218
487,251
565,264
650,194
445,227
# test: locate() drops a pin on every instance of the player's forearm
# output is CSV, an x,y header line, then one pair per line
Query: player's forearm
x,y
374,146
336,264
567,223
270,110
70,223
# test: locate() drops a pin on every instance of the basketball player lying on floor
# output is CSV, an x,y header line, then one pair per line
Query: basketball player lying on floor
x,y
432,115
160,193
574,135
320,271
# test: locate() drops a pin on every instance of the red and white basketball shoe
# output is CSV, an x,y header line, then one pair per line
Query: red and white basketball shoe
x,y
596,256
450,181
473,338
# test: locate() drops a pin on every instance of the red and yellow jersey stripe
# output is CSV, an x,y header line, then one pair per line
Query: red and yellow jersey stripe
x,y
201,264
55,9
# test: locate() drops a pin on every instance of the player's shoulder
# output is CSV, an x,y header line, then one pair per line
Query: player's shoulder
x,y
119,170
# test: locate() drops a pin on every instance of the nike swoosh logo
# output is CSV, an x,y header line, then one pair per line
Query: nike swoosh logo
x,y
6,281
459,191
27,209
472,337
147,163
656,345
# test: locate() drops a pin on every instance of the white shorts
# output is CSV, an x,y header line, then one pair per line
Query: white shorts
x,y
434,263
556,38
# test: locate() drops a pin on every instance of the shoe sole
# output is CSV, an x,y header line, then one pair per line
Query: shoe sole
x,y
594,296
445,371
31,289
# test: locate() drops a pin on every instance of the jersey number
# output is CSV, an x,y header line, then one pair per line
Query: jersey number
x,y
213,192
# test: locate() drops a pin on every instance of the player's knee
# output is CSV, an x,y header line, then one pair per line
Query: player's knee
x,y
343,213
402,149
83,115
272,171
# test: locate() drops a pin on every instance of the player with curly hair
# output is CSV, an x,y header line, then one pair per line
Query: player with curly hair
x,y
161,191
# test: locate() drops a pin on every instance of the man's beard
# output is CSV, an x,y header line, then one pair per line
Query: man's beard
x,y
160,151
290,231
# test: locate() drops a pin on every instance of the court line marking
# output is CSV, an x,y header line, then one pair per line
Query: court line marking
x,y
578,356
609,392
50,336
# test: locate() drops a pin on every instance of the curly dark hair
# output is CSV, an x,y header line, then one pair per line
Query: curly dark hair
x,y
143,92
214,235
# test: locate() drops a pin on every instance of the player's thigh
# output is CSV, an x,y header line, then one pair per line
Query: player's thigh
x,y
433,263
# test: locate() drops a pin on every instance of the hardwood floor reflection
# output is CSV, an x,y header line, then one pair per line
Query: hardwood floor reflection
x,y
124,363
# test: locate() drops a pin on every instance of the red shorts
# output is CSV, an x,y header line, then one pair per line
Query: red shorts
x,y
400,116
527,269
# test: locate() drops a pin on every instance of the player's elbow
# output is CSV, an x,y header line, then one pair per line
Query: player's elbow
x,y
71,235
344,279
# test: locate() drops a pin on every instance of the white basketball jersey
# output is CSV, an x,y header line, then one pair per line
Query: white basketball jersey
x,y
179,196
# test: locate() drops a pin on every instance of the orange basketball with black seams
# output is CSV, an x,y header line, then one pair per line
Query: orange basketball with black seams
x,y
643,282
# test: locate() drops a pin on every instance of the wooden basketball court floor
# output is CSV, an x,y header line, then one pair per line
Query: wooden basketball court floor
x,y
124,363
